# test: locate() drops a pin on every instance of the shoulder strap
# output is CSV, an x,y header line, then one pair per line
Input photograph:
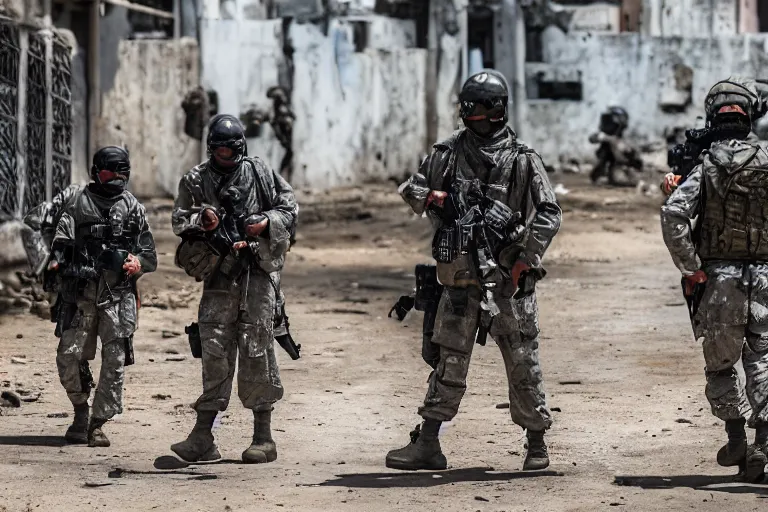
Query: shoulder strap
x,y
264,184
450,171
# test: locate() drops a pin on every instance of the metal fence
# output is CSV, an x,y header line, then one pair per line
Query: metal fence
x,y
35,117
9,102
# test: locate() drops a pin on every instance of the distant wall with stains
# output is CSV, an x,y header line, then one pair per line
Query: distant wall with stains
x,y
361,116
359,93
660,81
143,83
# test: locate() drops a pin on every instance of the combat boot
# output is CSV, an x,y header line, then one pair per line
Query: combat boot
x,y
97,438
77,433
263,448
423,452
199,446
536,457
734,453
757,455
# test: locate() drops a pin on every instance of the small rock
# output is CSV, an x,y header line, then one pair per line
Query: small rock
x,y
58,415
480,498
9,399
556,409
171,351
176,358
170,334
22,303
41,309
160,396
503,406
18,360
32,398
569,382
342,462
19,336
666,430
97,484
683,420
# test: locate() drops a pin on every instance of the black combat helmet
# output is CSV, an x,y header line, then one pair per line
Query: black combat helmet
x,y
614,121
111,170
483,102
226,143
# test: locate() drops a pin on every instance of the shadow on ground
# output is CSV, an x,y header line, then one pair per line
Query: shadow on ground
x,y
55,441
428,478
730,484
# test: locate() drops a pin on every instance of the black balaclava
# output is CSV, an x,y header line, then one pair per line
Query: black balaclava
x,y
226,135
110,171
732,106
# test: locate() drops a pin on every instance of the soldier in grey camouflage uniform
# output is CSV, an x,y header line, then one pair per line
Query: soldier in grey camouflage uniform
x,y
241,282
723,257
480,290
97,244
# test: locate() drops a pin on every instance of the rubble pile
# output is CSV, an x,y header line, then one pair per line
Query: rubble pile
x,y
22,294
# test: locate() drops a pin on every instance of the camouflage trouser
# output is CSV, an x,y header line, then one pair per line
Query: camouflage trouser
x,y
281,329
235,321
515,331
732,322
112,323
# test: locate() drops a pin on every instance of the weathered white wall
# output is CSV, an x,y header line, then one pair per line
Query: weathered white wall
x,y
240,61
690,18
142,109
598,17
360,116
638,73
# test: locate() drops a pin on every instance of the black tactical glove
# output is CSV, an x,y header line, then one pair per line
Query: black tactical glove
x,y
500,217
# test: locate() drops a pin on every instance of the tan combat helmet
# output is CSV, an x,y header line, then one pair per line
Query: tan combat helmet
x,y
735,91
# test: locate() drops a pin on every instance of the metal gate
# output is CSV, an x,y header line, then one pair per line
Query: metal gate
x,y
35,117
9,100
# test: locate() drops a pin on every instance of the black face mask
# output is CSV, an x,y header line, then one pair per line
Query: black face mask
x,y
730,126
480,119
110,189
484,128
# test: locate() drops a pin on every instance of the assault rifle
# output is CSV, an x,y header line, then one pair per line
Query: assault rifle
x,y
230,231
684,157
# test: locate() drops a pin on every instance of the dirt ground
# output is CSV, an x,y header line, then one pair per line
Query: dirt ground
x,y
623,375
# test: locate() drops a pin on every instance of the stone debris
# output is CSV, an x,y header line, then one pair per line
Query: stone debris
x,y
22,294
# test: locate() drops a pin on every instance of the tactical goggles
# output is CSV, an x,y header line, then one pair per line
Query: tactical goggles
x,y
106,175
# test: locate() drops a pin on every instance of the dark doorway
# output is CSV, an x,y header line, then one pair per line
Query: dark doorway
x,y
762,16
480,33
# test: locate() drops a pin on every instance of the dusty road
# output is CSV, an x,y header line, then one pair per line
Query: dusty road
x,y
622,371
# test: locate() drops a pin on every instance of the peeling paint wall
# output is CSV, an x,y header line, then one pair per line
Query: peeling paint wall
x,y
691,18
641,74
360,116
240,60
142,109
